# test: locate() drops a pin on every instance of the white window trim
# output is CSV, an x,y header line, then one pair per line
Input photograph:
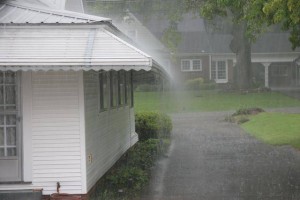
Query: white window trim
x,y
219,80
191,65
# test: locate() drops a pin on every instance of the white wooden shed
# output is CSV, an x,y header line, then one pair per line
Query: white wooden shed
x,y
66,111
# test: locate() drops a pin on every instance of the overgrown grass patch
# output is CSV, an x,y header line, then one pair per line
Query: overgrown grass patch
x,y
275,128
209,100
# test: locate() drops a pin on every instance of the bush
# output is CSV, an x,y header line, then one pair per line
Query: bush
x,y
128,179
193,84
200,84
143,154
152,125
248,111
131,173
147,88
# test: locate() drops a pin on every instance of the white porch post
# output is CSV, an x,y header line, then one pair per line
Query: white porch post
x,y
266,65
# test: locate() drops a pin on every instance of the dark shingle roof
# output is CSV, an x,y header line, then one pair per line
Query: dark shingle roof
x,y
202,42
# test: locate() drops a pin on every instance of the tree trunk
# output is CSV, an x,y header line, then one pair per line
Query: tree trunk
x,y
241,46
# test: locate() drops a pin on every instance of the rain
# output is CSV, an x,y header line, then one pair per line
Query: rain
x,y
149,99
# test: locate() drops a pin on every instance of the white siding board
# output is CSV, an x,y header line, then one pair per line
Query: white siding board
x,y
62,167
108,134
56,154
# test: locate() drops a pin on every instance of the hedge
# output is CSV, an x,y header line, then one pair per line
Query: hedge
x,y
154,125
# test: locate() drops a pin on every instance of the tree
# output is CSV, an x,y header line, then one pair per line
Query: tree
x,y
247,21
172,10
286,12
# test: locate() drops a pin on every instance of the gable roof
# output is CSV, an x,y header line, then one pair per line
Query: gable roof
x,y
22,12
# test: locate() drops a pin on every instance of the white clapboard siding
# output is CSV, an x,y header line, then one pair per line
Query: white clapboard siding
x,y
108,134
56,132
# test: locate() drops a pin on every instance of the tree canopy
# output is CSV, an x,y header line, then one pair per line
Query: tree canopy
x,y
287,13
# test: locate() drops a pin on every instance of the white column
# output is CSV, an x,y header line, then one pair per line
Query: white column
x,y
266,65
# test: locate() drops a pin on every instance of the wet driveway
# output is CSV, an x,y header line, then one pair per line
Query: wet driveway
x,y
214,160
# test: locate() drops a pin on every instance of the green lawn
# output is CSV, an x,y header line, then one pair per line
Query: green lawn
x,y
275,128
208,101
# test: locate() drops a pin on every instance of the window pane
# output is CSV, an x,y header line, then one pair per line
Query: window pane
x,y
1,120
1,77
1,95
10,95
11,120
128,88
114,89
213,70
185,65
121,88
11,151
105,90
1,152
103,84
197,65
1,136
11,136
10,78
221,70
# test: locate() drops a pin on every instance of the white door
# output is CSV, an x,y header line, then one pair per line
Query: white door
x,y
10,140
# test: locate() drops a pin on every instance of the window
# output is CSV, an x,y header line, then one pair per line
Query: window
x,y
219,71
128,90
191,65
121,87
9,138
279,70
104,90
185,65
113,89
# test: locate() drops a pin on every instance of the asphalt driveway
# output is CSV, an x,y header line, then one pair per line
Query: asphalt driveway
x,y
214,160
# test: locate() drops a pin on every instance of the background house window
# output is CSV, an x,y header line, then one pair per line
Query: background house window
x,y
185,65
279,70
218,71
104,90
191,65
197,66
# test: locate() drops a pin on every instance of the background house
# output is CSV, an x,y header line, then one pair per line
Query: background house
x,y
66,111
205,52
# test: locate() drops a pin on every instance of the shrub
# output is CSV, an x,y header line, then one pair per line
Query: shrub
x,y
248,111
193,84
147,88
200,84
128,179
152,125
131,173
143,154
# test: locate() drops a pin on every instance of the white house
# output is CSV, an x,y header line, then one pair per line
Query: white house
x,y
66,111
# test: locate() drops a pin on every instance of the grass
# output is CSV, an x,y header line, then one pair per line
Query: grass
x,y
275,128
188,101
